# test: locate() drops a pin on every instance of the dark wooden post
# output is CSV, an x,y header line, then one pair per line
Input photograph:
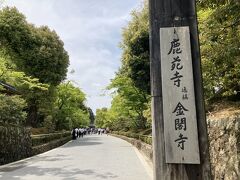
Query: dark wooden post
x,y
169,13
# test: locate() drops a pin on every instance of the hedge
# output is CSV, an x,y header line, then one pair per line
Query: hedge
x,y
144,138
45,138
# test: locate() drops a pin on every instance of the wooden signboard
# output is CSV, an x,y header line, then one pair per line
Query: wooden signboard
x,y
179,111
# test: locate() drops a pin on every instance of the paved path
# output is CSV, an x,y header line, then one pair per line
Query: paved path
x,y
90,158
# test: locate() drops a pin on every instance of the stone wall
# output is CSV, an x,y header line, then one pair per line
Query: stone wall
x,y
15,143
50,145
224,139
224,149
46,142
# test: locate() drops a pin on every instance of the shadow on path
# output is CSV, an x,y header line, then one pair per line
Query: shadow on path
x,y
64,172
31,160
85,141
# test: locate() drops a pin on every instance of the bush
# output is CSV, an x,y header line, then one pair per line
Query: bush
x,y
144,138
11,109
45,138
38,131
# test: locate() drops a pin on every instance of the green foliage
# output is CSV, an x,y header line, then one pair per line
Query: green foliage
x,y
37,51
135,46
147,114
48,61
219,36
49,123
91,117
33,60
28,87
144,138
131,84
15,33
35,93
101,118
214,3
12,109
128,105
46,138
70,108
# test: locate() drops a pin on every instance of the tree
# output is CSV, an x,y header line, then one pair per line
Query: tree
x,y
12,110
219,34
49,60
135,46
129,102
91,116
132,81
70,109
37,51
29,88
101,117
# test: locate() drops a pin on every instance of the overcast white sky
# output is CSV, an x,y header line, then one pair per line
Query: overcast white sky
x,y
91,31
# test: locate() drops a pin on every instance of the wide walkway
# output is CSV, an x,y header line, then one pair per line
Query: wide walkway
x,y
94,157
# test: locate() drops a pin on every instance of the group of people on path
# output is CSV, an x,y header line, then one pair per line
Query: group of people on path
x,y
80,132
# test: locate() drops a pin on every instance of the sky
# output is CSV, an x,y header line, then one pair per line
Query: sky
x,y
91,32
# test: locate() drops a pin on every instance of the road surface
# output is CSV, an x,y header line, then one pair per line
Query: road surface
x,y
94,157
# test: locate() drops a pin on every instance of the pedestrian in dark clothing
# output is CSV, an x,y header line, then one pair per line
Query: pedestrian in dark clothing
x,y
74,134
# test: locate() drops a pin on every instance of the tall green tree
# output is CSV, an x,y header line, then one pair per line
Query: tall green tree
x,y
219,23
101,117
129,101
26,87
71,110
91,116
132,81
135,46
37,51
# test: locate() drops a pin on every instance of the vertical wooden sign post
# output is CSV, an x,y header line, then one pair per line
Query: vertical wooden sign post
x,y
180,140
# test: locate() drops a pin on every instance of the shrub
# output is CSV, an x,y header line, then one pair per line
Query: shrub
x,y
11,109
144,138
45,138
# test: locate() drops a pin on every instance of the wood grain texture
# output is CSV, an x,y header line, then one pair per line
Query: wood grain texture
x,y
169,13
178,96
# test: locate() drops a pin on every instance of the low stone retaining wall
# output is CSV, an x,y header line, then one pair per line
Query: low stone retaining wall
x,y
17,143
45,138
50,145
224,149
45,142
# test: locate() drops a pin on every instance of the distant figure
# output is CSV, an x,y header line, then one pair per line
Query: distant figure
x,y
74,134
81,132
99,131
102,131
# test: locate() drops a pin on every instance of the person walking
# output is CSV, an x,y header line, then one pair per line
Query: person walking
x,y
74,134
